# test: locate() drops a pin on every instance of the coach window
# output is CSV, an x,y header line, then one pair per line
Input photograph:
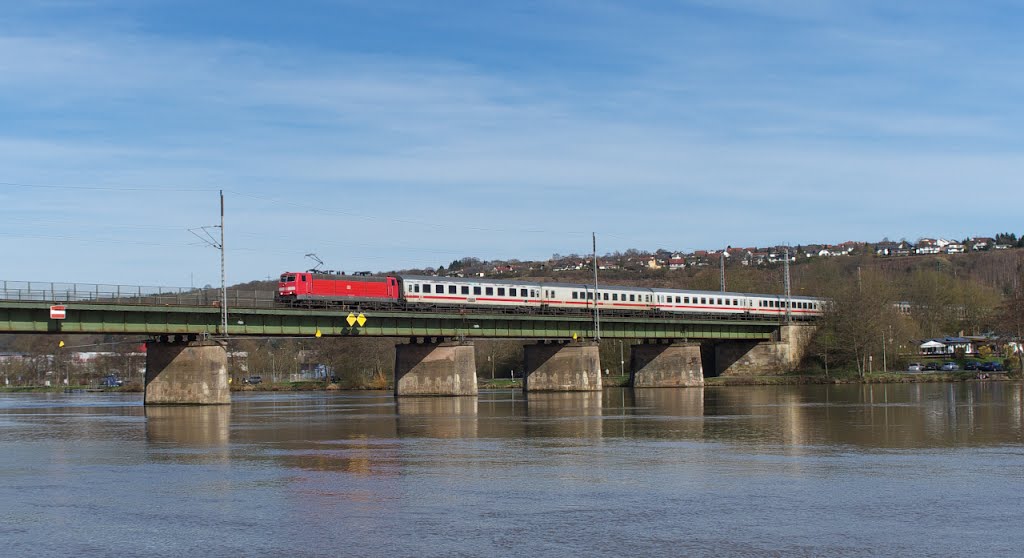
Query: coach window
x,y
590,295
501,291
452,289
489,291
727,302
735,302
615,296
465,290
575,295
476,290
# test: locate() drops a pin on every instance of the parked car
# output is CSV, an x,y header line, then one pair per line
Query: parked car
x,y
990,367
253,380
934,366
111,381
971,365
950,366
914,367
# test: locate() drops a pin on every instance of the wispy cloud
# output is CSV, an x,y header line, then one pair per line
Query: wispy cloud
x,y
742,122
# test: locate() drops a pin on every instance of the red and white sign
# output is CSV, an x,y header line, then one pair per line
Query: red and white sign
x,y
58,312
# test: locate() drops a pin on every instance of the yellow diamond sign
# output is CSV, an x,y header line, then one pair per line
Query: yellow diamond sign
x,y
351,319
361,319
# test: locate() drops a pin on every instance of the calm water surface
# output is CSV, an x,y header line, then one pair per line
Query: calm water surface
x,y
911,470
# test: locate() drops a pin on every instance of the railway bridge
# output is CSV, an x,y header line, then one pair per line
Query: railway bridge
x,y
186,360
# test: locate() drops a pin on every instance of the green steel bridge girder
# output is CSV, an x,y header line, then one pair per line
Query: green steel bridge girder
x,y
24,317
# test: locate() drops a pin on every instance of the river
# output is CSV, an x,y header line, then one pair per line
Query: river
x,y
845,470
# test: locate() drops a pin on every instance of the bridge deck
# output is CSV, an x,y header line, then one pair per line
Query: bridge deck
x,y
90,317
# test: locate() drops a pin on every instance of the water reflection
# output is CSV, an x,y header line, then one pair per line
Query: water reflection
x,y
207,426
437,417
572,415
879,415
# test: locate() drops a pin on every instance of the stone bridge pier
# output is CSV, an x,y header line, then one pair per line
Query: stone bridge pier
x,y
562,367
435,367
758,358
666,364
181,370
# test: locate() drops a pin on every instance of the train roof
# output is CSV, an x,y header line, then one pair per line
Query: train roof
x,y
732,293
602,287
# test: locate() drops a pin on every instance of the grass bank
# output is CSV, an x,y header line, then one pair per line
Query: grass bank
x,y
849,378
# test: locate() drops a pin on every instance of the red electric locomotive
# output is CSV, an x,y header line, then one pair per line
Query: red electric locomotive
x,y
301,286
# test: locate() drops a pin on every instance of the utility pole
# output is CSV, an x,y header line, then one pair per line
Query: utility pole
x,y
622,359
597,316
223,275
786,286
721,269
210,240
885,364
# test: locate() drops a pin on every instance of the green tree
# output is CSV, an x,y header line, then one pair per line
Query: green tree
x,y
857,319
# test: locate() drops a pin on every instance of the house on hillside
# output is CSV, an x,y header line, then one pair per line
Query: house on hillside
x,y
927,246
981,243
955,248
904,248
885,248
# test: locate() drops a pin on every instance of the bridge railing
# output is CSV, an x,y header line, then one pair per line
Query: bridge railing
x,y
37,291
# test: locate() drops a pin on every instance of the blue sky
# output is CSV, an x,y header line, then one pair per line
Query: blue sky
x,y
384,135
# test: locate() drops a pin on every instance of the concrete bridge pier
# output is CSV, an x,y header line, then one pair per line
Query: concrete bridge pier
x,y
181,370
562,367
672,364
435,368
